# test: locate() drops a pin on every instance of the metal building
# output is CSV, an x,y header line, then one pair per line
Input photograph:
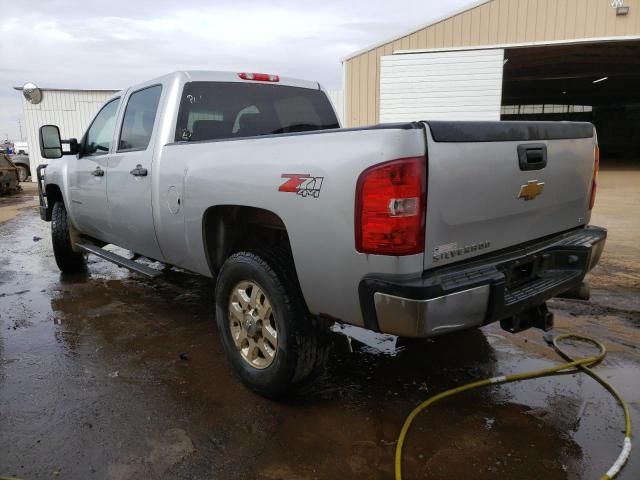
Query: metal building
x,y
337,100
71,110
533,59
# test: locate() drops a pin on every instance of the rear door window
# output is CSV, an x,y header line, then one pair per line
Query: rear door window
x,y
139,117
238,110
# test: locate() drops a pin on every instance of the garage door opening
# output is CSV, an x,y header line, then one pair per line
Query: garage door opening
x,y
596,82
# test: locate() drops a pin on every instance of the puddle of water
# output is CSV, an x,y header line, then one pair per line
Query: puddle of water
x,y
64,408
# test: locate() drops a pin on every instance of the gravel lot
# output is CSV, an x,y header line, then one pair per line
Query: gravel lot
x,y
110,375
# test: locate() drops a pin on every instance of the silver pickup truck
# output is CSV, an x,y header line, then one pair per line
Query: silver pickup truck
x,y
414,229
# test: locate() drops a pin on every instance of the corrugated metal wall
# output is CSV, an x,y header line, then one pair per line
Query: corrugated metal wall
x,y
71,110
460,85
337,100
492,23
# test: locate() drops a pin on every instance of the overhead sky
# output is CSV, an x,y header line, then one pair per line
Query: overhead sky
x,y
110,45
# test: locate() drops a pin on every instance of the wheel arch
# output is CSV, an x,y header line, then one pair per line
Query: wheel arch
x,y
54,194
227,229
22,163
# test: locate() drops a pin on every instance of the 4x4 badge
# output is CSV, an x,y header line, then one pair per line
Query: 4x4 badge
x,y
302,184
531,190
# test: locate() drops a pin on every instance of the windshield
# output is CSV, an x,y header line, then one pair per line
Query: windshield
x,y
218,110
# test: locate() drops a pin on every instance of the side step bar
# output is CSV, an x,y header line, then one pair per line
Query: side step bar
x,y
118,259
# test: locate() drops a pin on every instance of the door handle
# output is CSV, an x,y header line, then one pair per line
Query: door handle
x,y
532,156
98,172
139,171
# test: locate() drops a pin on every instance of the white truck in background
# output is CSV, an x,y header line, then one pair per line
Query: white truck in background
x,y
21,148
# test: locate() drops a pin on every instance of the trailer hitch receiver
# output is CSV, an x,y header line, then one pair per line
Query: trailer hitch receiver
x,y
538,317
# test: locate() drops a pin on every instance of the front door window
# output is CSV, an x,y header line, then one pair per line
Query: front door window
x,y
100,134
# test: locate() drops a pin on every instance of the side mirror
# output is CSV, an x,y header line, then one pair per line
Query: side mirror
x,y
50,142
74,146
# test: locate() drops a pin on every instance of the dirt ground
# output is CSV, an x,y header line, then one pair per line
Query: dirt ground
x,y
110,375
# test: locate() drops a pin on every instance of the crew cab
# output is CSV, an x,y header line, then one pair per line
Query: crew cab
x,y
414,229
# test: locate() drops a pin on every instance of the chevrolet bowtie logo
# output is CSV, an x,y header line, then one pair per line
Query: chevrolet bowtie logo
x,y
531,190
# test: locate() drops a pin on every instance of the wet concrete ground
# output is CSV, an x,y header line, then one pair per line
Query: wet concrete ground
x,y
110,375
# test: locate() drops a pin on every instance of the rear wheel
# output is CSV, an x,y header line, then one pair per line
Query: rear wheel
x,y
23,173
67,259
270,339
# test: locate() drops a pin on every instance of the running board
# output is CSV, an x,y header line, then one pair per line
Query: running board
x,y
118,259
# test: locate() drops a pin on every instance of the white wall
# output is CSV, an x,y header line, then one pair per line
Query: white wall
x,y
452,85
337,99
71,110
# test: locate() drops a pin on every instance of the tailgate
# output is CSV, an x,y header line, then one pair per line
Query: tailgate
x,y
492,185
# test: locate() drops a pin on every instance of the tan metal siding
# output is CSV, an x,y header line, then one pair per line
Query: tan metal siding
x,y
495,22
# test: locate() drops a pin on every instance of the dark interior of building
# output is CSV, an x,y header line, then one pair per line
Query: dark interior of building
x,y
598,82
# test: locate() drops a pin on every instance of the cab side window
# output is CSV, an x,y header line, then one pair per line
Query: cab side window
x,y
139,117
100,134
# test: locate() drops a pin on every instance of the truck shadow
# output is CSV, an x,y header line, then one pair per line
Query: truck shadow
x,y
156,346
375,364
362,363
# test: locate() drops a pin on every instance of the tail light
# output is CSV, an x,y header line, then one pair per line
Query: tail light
x,y
594,179
390,207
259,77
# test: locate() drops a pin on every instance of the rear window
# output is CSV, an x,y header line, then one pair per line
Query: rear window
x,y
218,110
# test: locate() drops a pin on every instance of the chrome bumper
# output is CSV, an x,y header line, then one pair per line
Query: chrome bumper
x,y
510,284
426,318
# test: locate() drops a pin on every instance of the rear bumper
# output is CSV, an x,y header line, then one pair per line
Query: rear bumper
x,y
480,291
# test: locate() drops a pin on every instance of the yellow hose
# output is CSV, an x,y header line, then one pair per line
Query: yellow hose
x,y
582,364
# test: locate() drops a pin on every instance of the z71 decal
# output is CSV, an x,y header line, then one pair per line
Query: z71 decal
x,y
302,184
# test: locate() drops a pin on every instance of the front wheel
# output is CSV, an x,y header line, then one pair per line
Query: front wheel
x,y
67,259
270,339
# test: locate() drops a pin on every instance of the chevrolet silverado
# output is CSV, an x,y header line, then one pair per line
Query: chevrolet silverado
x,y
414,229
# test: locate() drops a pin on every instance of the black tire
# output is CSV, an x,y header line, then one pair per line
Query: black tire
x,y
303,339
68,261
23,173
